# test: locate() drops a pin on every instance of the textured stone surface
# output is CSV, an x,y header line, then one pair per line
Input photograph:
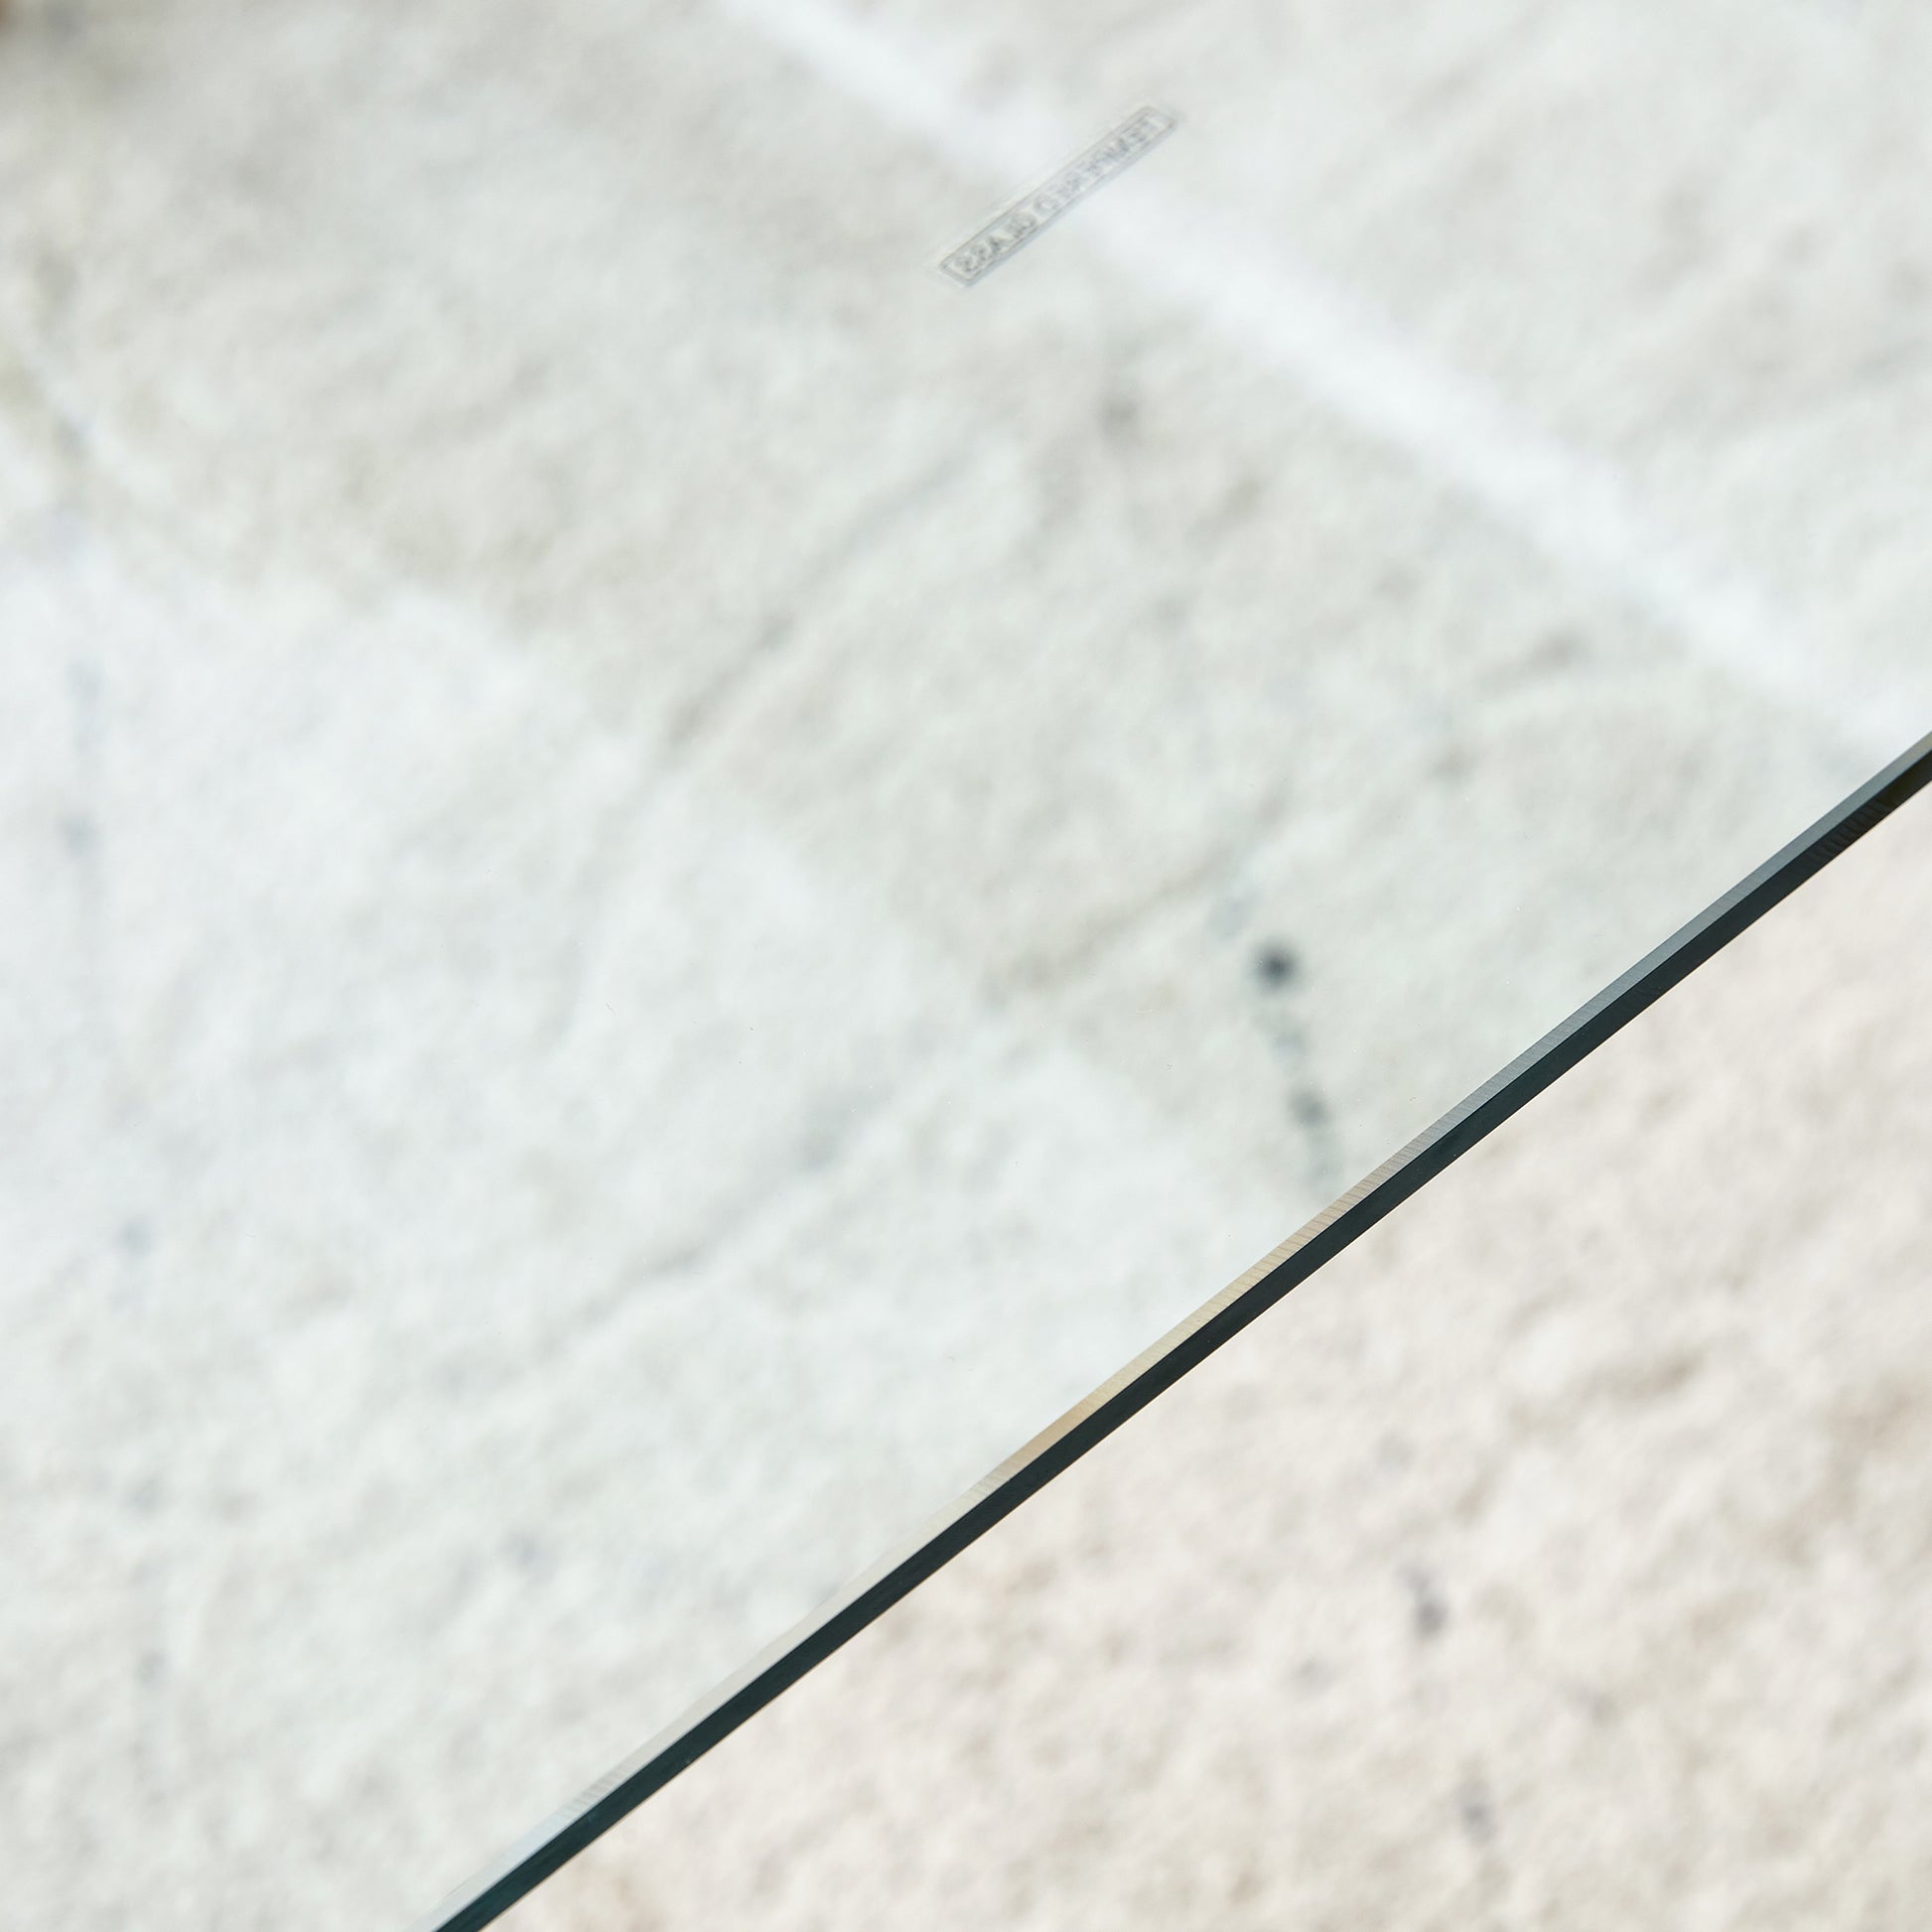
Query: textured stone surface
x,y
1561,1556
661,880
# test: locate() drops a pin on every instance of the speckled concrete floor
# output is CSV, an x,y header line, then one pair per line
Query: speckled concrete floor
x,y
661,880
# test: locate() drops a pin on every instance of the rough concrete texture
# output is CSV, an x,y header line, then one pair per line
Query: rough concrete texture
x,y
661,880
1558,1557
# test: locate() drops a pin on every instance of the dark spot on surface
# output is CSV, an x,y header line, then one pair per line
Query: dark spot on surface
x,y
135,1238
1276,966
1239,502
827,1133
1310,1109
1595,1705
1120,414
1557,651
1477,1811
1427,1611
1173,613
79,832
65,21
528,1552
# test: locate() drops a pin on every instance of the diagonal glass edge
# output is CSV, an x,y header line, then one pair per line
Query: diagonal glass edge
x,y
867,1596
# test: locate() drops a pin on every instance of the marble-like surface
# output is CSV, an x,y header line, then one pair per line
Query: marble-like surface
x,y
662,879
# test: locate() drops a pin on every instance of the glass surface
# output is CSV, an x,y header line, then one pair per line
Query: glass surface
x,y
1557,1556
663,878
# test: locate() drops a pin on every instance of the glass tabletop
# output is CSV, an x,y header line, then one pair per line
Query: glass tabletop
x,y
1555,1556
667,874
